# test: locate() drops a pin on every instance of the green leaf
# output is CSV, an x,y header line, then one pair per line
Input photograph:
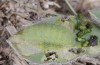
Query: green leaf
x,y
95,15
52,34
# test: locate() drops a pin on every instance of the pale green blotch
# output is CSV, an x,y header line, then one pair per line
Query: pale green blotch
x,y
46,35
